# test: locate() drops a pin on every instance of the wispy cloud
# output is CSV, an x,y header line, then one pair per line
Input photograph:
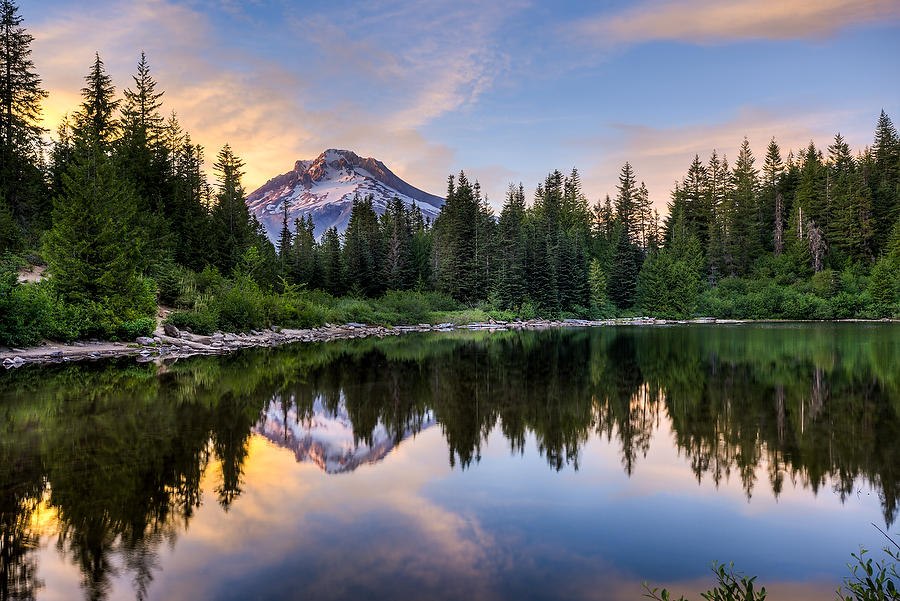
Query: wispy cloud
x,y
712,21
371,84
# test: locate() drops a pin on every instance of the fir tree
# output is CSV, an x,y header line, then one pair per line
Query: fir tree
x,y
360,239
95,122
885,178
696,200
91,249
625,202
421,248
231,225
623,278
398,271
21,94
510,282
332,263
142,159
284,238
455,242
741,213
303,263
771,205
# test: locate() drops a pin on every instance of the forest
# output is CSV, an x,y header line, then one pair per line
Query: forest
x,y
118,208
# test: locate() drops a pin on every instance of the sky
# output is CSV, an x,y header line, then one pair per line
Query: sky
x,y
506,90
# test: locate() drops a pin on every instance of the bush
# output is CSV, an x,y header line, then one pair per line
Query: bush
x,y
405,306
209,280
129,330
355,310
170,279
202,322
240,306
845,305
24,311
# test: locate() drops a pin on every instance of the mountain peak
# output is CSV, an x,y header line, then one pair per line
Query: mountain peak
x,y
324,187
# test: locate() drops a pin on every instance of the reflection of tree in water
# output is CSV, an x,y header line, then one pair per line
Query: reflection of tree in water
x,y
21,486
118,450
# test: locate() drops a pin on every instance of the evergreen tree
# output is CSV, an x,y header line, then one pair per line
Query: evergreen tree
x,y
232,230
741,239
398,271
623,277
94,249
892,248
191,224
884,180
597,280
140,147
91,249
771,205
360,251
421,249
21,94
696,200
643,208
142,159
625,202
455,242
510,286
850,220
284,238
332,262
95,122
303,266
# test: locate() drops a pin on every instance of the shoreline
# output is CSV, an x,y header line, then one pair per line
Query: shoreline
x,y
174,343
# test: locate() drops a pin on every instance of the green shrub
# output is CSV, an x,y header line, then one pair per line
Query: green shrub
x,y
202,322
845,305
171,279
355,310
240,306
209,280
528,310
24,311
407,306
129,330
68,322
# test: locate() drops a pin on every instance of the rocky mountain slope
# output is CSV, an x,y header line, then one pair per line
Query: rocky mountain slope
x,y
325,187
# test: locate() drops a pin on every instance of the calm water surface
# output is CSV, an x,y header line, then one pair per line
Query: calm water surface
x,y
568,464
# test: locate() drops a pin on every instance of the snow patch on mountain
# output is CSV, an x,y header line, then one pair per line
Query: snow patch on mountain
x,y
325,188
327,439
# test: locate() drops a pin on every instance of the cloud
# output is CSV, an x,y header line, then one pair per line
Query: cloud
x,y
368,83
661,155
711,21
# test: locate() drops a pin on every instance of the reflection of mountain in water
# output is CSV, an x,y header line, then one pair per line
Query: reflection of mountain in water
x,y
327,438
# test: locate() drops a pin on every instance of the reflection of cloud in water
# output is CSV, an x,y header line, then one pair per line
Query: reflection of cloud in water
x,y
416,528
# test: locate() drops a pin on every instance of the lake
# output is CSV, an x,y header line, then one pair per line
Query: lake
x,y
561,464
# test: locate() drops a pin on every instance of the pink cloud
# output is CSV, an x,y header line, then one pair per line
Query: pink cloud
x,y
707,21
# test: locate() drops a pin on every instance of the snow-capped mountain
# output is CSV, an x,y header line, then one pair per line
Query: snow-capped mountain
x,y
327,438
325,187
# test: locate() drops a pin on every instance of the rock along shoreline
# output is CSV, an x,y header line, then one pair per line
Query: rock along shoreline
x,y
169,342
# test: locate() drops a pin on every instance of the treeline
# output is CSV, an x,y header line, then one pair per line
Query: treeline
x,y
807,236
119,209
